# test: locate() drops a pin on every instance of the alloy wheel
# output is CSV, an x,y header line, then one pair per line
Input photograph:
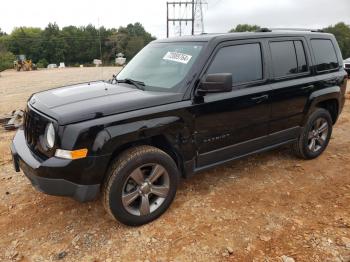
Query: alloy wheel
x,y
145,189
317,136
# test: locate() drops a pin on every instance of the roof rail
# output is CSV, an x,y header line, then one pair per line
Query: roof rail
x,y
265,29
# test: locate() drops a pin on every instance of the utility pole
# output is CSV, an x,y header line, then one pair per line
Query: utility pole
x,y
180,19
192,17
167,19
99,37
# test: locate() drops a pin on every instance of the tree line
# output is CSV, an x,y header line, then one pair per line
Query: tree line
x,y
80,45
341,31
72,45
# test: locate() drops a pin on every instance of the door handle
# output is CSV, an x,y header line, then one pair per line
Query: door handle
x,y
260,99
308,87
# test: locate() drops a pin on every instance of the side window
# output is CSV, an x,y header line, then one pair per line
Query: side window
x,y
288,57
325,56
243,61
284,59
299,50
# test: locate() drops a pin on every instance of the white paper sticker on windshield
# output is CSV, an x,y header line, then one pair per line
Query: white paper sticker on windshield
x,y
177,57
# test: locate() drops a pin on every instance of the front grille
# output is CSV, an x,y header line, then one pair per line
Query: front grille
x,y
347,66
34,129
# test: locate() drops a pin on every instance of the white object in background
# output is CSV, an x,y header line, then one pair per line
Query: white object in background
x,y
346,63
120,60
50,66
97,62
81,66
62,65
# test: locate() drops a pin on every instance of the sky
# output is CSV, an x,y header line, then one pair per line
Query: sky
x,y
219,15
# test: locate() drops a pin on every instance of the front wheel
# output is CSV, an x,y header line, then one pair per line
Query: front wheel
x,y
315,136
140,186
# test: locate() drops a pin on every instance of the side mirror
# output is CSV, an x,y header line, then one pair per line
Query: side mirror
x,y
215,83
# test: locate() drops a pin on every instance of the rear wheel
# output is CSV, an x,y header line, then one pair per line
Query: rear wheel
x,y
315,135
141,185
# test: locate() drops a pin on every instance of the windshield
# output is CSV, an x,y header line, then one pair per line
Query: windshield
x,y
162,66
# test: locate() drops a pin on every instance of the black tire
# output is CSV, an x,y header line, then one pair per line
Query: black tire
x,y
120,177
302,146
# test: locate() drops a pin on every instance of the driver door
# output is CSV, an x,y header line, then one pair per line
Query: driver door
x,y
232,124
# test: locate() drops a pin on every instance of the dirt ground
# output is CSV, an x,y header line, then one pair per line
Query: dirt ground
x,y
268,207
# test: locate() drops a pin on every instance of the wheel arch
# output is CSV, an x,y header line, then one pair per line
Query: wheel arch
x,y
332,106
327,99
159,141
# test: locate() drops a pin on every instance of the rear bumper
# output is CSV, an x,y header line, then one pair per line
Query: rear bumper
x,y
56,176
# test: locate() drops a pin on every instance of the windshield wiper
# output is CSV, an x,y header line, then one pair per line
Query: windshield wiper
x,y
139,85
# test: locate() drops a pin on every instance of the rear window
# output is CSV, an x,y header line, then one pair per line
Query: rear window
x,y
243,61
288,58
325,56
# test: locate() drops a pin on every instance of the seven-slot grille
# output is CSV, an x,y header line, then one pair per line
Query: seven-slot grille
x,y
347,66
34,126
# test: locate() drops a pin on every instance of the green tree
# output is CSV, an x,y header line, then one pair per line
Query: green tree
x,y
92,44
245,28
83,44
2,33
42,63
134,45
6,60
341,31
3,44
27,41
53,44
131,39
73,37
115,42
75,45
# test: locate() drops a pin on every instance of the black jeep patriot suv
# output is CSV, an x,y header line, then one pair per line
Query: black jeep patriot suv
x,y
179,107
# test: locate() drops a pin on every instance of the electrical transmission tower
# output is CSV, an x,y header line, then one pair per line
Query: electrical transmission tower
x,y
198,17
183,14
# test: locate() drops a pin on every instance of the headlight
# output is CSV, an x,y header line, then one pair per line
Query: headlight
x,y
50,135
75,154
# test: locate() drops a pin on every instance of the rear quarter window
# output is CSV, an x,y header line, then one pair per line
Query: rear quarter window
x,y
325,55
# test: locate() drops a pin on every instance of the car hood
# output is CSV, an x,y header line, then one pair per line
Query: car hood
x,y
91,100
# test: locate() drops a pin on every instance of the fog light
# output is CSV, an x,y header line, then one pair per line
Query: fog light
x,y
75,154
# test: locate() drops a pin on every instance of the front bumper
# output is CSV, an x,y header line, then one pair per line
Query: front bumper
x,y
55,176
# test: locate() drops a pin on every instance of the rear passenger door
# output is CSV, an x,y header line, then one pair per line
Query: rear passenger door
x,y
291,83
328,66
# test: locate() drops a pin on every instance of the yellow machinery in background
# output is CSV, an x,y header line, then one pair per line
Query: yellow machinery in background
x,y
23,64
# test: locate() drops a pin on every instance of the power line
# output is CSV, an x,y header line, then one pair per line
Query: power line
x,y
180,19
196,18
